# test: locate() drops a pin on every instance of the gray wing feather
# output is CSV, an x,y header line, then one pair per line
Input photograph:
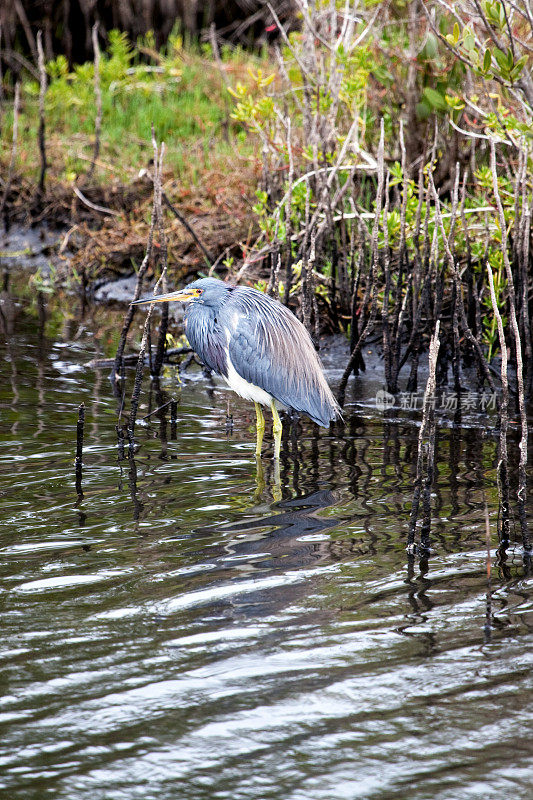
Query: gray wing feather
x,y
271,349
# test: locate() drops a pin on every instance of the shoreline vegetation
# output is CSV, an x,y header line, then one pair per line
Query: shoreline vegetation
x,y
92,174
372,168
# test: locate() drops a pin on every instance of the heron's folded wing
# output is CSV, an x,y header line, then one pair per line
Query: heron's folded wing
x,y
271,349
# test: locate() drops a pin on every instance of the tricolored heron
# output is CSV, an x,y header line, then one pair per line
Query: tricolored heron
x,y
259,347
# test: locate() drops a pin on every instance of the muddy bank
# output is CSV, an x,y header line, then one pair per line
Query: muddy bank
x,y
30,249
95,235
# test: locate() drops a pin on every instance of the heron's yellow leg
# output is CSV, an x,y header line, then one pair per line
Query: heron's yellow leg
x,y
276,428
260,427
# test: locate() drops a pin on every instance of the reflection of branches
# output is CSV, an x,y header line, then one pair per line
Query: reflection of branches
x,y
427,429
138,506
161,415
80,425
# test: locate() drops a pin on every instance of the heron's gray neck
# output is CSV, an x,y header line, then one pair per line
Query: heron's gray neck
x,y
206,336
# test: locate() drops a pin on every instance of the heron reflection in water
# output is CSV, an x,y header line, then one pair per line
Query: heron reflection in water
x,y
259,347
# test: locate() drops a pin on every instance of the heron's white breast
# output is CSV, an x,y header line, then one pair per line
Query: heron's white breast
x,y
243,388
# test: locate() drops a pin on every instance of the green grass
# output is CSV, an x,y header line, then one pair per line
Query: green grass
x,y
185,99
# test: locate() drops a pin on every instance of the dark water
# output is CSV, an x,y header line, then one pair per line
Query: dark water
x,y
194,630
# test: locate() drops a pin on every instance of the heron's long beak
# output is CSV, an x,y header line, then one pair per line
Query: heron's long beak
x,y
183,296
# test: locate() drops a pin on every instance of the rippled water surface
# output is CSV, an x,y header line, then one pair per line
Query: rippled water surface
x,y
195,629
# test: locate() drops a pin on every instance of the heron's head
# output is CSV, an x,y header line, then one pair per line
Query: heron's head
x,y
207,291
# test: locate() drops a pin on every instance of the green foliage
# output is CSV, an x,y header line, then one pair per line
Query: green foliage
x,y
435,99
172,89
266,222
499,60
